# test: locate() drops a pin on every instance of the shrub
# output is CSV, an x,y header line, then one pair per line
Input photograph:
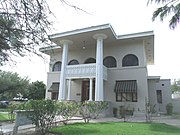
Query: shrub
x,y
169,108
67,110
150,109
42,114
115,110
91,109
125,112
11,111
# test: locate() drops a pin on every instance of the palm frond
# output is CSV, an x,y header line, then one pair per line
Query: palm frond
x,y
161,1
174,20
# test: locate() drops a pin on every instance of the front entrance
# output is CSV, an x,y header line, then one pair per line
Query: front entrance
x,y
85,90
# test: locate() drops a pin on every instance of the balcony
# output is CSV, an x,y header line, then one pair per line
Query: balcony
x,y
84,71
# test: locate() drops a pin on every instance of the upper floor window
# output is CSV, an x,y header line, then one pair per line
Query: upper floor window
x,y
130,60
90,60
110,62
73,62
57,66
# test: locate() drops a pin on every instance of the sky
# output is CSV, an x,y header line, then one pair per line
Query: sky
x,y
125,16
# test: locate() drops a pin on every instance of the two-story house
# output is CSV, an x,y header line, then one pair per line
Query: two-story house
x,y
95,64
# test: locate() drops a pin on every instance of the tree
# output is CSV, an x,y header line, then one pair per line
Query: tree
x,y
12,84
175,87
170,7
36,90
24,25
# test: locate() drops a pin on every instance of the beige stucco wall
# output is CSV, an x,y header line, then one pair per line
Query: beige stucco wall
x,y
51,77
133,73
118,51
164,85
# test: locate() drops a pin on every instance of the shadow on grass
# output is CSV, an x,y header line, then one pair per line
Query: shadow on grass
x,y
164,128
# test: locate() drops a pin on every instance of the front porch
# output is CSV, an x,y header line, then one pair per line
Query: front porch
x,y
78,89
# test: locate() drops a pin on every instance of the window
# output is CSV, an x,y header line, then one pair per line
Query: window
x,y
159,96
130,60
90,60
54,96
126,90
109,62
73,62
57,66
126,96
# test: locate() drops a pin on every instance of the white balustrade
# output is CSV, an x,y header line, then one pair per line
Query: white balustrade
x,y
79,71
84,71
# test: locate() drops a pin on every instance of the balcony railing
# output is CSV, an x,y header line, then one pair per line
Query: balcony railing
x,y
84,71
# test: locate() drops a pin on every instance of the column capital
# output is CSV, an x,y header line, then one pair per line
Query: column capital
x,y
69,42
100,36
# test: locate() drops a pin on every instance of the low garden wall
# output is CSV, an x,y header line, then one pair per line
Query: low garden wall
x,y
21,120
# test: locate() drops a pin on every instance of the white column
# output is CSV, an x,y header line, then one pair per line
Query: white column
x,y
62,86
90,89
99,92
69,90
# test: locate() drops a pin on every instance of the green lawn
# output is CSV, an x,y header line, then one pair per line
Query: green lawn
x,y
117,128
4,117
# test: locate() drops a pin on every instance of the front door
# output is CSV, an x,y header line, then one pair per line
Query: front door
x,y
85,90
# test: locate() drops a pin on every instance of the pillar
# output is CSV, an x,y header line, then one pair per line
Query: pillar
x,y
62,86
69,90
90,89
99,92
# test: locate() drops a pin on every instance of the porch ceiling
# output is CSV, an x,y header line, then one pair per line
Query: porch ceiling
x,y
83,37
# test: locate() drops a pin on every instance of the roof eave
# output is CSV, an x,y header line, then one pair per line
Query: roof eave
x,y
136,35
153,77
83,30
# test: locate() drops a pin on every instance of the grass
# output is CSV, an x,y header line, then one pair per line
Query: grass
x,y
4,117
117,128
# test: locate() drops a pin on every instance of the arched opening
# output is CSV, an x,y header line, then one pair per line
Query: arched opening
x,y
130,60
90,60
57,66
73,62
110,62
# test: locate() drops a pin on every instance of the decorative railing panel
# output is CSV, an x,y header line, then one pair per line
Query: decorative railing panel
x,y
84,71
